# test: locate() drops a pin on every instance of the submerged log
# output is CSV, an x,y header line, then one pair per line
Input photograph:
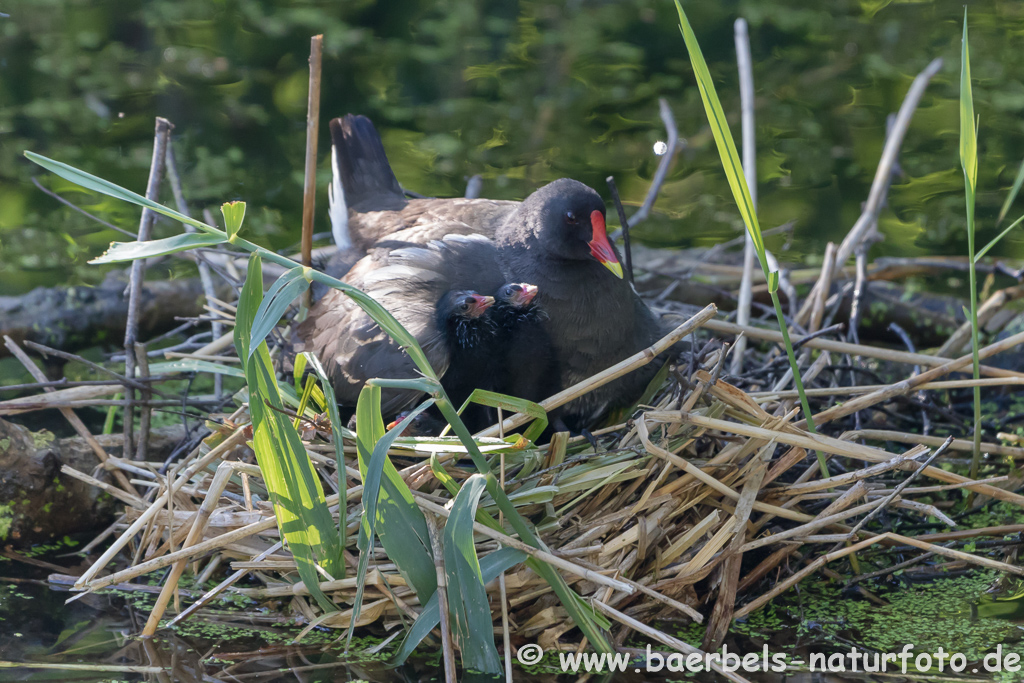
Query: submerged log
x,y
77,317
38,502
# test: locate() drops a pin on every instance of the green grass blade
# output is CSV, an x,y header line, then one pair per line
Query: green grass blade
x,y
337,428
969,162
119,252
302,515
738,183
91,182
995,241
723,138
275,303
491,566
467,598
1018,181
389,510
191,365
514,405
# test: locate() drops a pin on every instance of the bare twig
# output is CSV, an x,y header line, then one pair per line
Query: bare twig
x,y
205,275
316,48
138,273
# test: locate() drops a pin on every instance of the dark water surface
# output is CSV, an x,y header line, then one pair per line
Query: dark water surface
x,y
518,92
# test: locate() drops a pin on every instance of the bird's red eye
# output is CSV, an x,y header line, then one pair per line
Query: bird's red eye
x,y
570,217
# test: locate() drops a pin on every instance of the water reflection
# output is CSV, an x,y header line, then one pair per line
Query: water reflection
x,y
519,93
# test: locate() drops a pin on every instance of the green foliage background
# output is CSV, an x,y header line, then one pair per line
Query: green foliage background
x,y
521,92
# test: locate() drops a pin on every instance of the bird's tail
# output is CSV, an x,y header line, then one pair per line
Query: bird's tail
x,y
363,179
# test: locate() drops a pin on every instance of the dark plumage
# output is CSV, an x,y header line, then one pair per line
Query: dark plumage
x,y
411,285
555,240
368,209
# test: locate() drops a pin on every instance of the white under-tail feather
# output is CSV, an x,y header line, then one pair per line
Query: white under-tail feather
x,y
337,209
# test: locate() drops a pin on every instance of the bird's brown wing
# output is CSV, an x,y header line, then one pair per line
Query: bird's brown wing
x,y
408,282
417,221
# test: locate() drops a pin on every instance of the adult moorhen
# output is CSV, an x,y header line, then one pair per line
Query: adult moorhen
x,y
555,239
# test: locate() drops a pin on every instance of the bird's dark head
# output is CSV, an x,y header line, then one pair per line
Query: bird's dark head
x,y
568,218
517,295
460,313
464,304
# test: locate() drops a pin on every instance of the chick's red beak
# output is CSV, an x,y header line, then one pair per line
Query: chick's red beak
x,y
392,425
479,305
524,296
600,247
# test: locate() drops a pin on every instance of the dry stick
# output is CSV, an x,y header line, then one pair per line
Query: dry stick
x,y
666,639
743,64
236,438
221,587
833,446
846,348
138,273
316,48
220,482
932,441
909,384
624,223
799,576
883,173
899,489
986,311
69,415
205,276
621,368
667,159
146,395
447,650
80,210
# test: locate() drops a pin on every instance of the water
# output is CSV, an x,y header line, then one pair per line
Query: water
x,y
520,94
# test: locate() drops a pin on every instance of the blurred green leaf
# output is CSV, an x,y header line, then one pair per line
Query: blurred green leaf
x,y
130,251
91,182
192,365
1017,182
337,430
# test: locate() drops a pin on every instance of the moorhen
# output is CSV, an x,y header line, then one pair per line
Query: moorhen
x,y
555,239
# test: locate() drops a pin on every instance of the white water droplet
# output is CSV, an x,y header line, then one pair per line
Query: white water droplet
x,y
660,148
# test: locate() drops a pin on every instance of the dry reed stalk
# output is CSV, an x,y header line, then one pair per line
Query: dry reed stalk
x,y
958,555
836,447
621,368
220,482
911,383
932,441
799,576
846,348
944,385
